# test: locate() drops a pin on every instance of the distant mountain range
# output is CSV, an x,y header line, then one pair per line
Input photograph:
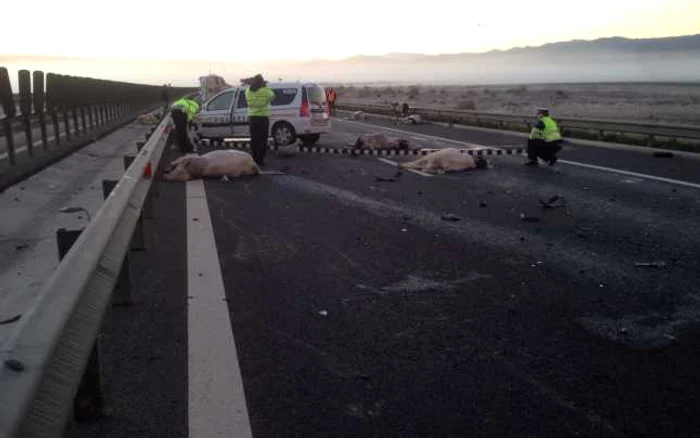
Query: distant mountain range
x,y
601,45
672,59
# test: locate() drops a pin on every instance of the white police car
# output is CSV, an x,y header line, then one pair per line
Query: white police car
x,y
299,110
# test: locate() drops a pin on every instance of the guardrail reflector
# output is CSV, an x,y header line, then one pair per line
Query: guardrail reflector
x,y
148,170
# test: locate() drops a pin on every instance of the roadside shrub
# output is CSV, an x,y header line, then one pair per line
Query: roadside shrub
x,y
466,105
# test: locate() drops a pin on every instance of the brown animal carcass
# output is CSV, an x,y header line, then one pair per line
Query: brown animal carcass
x,y
227,163
380,141
446,160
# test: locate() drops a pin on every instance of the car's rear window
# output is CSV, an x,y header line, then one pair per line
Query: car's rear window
x,y
284,96
316,95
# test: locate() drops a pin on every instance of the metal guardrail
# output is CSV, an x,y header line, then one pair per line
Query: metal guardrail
x,y
650,130
79,104
46,354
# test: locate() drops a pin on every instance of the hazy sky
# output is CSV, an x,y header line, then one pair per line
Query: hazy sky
x,y
226,30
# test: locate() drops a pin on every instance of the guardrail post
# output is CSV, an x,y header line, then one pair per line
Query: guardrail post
x,y
88,403
138,239
153,191
122,290
25,103
650,141
9,139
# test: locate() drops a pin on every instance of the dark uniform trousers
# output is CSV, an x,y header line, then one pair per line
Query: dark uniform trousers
x,y
546,150
180,121
259,128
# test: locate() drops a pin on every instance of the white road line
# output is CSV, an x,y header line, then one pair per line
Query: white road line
x,y
573,163
395,164
217,405
628,173
417,134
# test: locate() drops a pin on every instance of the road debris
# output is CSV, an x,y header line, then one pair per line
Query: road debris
x,y
451,217
10,320
14,365
662,154
554,202
654,264
224,178
21,247
526,218
482,204
323,313
385,179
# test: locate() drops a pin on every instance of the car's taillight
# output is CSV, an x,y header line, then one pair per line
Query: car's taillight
x,y
304,110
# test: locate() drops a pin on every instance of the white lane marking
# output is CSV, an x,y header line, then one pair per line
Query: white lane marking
x,y
419,135
628,173
216,402
395,164
573,163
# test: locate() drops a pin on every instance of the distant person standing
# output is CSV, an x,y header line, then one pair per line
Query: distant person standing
x,y
332,96
545,140
183,111
259,98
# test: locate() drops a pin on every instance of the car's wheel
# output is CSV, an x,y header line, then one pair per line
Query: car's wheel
x,y
283,133
309,139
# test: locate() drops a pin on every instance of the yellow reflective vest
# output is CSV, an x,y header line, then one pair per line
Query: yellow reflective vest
x,y
546,130
259,101
188,106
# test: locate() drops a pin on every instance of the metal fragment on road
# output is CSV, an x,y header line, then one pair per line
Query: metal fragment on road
x,y
525,218
11,320
451,217
654,264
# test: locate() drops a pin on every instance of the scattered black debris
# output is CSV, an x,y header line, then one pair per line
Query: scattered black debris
x,y
482,204
16,199
526,218
385,179
405,217
490,192
553,202
14,365
654,264
305,172
200,274
11,320
522,238
674,190
71,210
585,188
451,217
662,154
21,247
420,192
286,169
195,219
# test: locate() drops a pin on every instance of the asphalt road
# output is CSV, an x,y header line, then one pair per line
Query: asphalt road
x,y
358,310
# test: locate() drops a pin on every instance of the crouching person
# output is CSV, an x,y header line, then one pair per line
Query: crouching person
x,y
545,140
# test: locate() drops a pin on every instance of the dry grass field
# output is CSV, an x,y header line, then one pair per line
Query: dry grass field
x,y
673,103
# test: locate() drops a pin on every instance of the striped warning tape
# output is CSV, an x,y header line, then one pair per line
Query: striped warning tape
x,y
245,144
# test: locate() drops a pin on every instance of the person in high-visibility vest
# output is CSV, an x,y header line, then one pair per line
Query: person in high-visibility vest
x,y
545,140
259,98
183,111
